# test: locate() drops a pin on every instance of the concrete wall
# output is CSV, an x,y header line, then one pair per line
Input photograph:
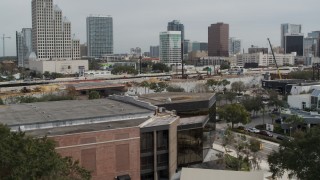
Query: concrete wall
x,y
173,146
108,153
295,101
64,67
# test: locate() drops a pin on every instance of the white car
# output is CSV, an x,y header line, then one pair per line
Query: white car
x,y
253,130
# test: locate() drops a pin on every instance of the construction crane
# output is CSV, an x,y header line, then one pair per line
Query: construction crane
x,y
275,61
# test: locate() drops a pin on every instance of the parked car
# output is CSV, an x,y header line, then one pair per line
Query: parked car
x,y
253,130
278,120
280,137
266,133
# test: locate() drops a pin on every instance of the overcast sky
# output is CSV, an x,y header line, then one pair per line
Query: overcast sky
x,y
137,23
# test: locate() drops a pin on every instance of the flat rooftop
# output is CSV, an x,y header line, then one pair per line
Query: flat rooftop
x,y
160,120
87,128
193,120
59,111
175,97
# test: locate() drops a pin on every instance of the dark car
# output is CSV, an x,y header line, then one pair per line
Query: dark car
x,y
280,137
265,133
278,121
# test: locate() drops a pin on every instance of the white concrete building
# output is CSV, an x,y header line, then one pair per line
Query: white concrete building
x,y
170,47
300,101
266,59
51,32
63,67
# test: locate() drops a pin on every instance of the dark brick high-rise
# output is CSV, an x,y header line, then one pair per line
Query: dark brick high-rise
x,y
218,36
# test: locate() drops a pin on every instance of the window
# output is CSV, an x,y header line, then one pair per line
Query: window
x,y
147,142
162,140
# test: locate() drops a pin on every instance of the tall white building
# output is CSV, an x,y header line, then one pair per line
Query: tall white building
x,y
289,29
51,32
266,59
234,46
170,47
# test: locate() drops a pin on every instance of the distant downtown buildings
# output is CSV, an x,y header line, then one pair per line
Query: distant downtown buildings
x,y
170,47
175,25
99,36
218,38
23,46
234,46
51,33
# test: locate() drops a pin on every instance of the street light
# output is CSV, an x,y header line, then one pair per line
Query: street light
x,y
3,41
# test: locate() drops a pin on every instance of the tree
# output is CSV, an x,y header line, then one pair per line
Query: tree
x,y
160,67
175,89
238,87
295,121
234,113
200,88
94,64
94,95
213,84
124,69
225,65
246,152
158,87
46,74
253,104
305,75
224,83
299,156
230,96
35,158
146,85
1,102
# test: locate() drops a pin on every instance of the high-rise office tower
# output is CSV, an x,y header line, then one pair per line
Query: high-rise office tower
x,y
99,35
154,51
294,43
234,46
313,39
218,39
24,45
51,32
170,47
288,29
175,25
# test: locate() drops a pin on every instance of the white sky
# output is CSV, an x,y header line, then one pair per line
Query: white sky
x,y
137,23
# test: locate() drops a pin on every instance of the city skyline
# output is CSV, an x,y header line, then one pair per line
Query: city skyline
x,y
247,21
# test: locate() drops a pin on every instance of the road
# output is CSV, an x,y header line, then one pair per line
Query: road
x,y
268,146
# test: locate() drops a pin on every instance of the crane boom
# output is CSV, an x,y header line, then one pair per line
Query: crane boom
x,y
274,58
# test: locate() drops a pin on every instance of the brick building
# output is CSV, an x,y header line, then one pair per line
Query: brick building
x,y
120,137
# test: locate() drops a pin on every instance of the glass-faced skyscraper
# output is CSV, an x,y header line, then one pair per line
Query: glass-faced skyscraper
x,y
289,29
175,25
24,45
234,46
170,47
99,35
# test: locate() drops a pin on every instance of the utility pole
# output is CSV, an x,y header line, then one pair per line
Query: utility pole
x,y
3,41
182,66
